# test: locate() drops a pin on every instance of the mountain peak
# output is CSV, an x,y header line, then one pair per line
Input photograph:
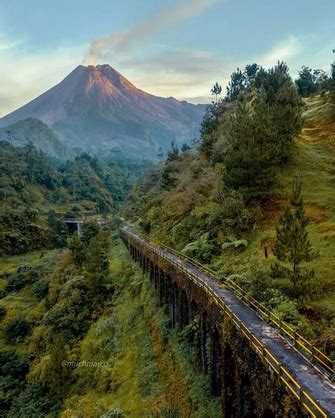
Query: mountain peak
x,y
95,107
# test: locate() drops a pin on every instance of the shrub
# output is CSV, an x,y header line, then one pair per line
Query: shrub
x,y
40,289
15,283
2,312
12,365
16,330
201,249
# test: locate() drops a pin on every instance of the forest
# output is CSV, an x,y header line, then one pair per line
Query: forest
x,y
80,331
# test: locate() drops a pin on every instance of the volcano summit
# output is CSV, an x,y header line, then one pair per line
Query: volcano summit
x,y
97,109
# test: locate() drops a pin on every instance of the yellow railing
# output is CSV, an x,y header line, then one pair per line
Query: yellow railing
x,y
267,357
325,364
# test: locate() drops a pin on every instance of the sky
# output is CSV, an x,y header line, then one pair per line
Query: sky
x,y
176,48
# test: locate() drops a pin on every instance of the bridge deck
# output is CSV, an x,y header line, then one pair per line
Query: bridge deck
x,y
313,381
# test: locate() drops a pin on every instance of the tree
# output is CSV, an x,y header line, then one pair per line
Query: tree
x,y
168,178
306,81
292,246
216,91
185,148
52,369
277,90
16,330
236,84
208,127
97,263
60,231
249,158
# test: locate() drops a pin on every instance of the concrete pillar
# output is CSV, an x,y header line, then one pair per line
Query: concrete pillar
x,y
230,394
204,338
184,310
216,363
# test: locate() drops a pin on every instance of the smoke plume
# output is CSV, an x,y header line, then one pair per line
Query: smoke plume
x,y
161,20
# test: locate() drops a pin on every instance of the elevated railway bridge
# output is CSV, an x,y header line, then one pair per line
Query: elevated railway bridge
x,y
258,364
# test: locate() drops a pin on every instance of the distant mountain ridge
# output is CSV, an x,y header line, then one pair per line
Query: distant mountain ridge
x,y
97,109
39,134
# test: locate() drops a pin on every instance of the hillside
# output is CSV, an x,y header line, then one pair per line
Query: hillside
x,y
185,204
37,133
96,108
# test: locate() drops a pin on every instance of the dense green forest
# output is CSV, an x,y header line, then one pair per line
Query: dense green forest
x,y
36,193
81,334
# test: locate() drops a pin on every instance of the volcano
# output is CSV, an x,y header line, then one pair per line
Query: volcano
x,y
96,109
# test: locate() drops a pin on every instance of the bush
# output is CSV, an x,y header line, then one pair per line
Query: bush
x,y
201,249
2,312
12,365
15,283
40,289
16,330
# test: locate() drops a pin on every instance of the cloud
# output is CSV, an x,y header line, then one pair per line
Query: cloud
x,y
183,73
25,76
6,44
283,51
159,21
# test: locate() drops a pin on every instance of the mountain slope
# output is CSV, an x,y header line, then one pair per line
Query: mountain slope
x,y
40,135
96,108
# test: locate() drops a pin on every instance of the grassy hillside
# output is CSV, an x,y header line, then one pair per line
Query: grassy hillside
x,y
186,204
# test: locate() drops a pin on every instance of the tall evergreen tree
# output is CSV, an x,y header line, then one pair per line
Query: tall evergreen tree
x,y
285,108
292,246
249,158
236,84
216,91
306,81
208,127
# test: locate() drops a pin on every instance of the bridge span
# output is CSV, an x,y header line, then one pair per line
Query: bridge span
x,y
259,370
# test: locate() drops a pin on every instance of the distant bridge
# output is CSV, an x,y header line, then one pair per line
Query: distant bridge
x,y
76,223
257,363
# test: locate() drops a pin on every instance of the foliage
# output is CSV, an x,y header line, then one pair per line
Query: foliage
x,y
33,188
59,231
208,126
200,249
3,312
242,81
50,371
40,289
167,177
292,244
311,81
34,401
16,330
249,161
216,90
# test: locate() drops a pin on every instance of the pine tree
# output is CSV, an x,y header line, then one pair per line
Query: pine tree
x,y
249,158
292,246
208,128
280,93
216,90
